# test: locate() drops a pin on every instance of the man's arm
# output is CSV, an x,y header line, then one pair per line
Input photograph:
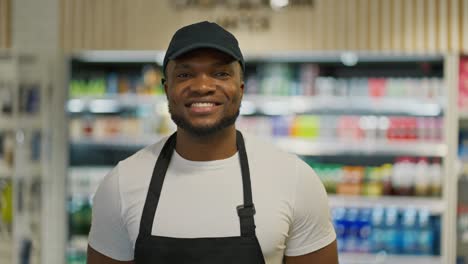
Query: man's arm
x,y
95,257
326,255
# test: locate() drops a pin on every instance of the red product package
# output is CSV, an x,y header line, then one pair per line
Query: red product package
x,y
377,87
463,83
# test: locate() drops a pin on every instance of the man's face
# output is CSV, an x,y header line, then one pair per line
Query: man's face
x,y
204,89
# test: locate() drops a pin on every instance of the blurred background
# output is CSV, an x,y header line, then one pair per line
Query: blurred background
x,y
373,94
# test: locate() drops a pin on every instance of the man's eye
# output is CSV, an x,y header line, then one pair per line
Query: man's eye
x,y
221,74
183,75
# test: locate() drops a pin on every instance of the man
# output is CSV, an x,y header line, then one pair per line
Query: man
x,y
207,194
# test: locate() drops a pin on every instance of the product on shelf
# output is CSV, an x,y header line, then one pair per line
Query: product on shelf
x,y
391,230
6,99
146,82
346,128
407,177
29,94
285,79
7,146
463,83
6,205
114,127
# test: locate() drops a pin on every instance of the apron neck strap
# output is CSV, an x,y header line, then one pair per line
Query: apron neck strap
x,y
155,187
246,211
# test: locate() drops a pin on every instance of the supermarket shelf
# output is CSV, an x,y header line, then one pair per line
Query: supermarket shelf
x,y
355,258
118,141
30,122
378,147
299,146
152,56
112,103
5,173
435,205
273,105
33,169
22,122
276,105
6,123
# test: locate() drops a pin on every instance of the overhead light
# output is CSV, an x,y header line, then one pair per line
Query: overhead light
x,y
103,106
349,58
278,4
75,106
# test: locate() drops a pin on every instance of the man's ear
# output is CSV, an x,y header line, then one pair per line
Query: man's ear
x,y
164,83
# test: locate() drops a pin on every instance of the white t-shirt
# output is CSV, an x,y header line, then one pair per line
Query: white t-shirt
x,y
199,199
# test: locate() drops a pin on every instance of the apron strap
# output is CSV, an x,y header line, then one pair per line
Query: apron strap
x,y
154,190
246,211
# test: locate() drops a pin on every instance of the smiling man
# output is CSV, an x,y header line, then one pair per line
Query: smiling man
x,y
207,194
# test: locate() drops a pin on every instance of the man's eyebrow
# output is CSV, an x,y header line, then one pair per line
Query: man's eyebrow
x,y
182,66
215,64
222,63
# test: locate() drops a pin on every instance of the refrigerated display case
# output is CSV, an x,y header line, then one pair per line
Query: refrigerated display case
x,y
376,130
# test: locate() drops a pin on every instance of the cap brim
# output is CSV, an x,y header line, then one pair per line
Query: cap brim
x,y
202,45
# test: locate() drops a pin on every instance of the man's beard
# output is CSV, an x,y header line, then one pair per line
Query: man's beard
x,y
204,131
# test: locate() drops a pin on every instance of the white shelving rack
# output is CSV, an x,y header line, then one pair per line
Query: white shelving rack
x,y
23,237
270,105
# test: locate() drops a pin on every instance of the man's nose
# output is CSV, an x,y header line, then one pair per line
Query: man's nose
x,y
202,84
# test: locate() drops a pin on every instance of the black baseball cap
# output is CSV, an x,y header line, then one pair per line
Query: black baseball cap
x,y
203,35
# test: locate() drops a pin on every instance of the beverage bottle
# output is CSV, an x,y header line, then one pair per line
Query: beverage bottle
x,y
409,232
339,214
435,175
392,231
351,230
364,234
422,178
377,235
387,171
426,234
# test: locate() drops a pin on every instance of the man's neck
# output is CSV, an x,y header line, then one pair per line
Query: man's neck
x,y
220,145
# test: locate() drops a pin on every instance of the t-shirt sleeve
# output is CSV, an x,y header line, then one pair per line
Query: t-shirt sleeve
x,y
311,228
108,234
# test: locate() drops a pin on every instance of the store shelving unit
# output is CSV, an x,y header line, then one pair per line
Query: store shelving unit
x,y
273,105
23,118
352,258
306,147
435,206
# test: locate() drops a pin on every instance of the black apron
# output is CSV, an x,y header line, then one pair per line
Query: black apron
x,y
244,249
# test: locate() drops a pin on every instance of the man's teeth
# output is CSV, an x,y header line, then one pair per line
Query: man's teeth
x,y
202,104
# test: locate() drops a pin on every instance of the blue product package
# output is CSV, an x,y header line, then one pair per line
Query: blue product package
x,y
364,233
338,221
351,230
377,236
112,83
280,126
392,233
410,232
426,234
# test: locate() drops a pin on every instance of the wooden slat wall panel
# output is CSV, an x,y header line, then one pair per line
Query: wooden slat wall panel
x,y
5,24
443,25
363,25
454,25
352,43
367,25
385,28
464,26
431,20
